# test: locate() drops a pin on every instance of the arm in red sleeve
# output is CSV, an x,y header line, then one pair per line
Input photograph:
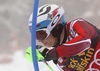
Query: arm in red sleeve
x,y
73,49
80,43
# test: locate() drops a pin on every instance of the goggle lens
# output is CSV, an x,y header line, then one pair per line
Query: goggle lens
x,y
41,35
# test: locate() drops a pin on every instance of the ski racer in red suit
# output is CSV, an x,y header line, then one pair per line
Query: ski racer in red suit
x,y
76,44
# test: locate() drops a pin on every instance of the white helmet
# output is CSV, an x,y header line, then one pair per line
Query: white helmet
x,y
48,18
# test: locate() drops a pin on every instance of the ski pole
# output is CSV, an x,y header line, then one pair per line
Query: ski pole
x,y
41,58
47,65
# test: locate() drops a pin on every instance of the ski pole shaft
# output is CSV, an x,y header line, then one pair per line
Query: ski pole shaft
x,y
47,65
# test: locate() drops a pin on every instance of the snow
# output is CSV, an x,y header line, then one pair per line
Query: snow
x,y
20,63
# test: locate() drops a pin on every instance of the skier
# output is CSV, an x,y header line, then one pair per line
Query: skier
x,y
76,43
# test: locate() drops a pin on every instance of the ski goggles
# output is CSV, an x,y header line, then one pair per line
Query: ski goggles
x,y
42,34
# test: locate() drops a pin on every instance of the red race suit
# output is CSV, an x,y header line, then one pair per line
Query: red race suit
x,y
81,51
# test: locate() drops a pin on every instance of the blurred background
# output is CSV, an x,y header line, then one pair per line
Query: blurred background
x,y
15,37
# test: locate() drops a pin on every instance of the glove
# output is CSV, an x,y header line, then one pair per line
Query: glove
x,y
48,54
51,55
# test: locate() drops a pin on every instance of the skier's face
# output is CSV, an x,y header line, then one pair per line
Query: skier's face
x,y
49,41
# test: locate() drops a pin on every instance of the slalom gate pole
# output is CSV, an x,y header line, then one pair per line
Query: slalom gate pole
x,y
33,35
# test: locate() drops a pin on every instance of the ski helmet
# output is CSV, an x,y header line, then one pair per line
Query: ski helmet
x,y
50,19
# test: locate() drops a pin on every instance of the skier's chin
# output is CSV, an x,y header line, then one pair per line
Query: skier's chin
x,y
47,45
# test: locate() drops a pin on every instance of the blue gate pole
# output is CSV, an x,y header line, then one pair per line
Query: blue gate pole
x,y
33,35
